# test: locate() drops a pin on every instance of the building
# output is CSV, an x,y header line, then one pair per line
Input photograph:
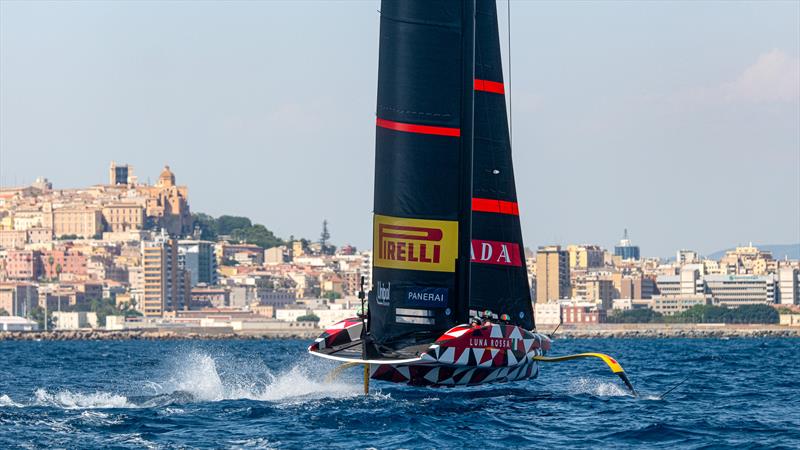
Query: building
x,y
23,265
123,217
637,287
747,260
297,249
625,250
85,222
547,314
585,256
789,286
56,297
581,315
13,323
166,286
13,238
737,290
74,320
197,258
594,288
68,260
18,299
552,274
249,254
168,204
688,282
28,218
686,257
210,297
670,305
275,255
39,235
120,174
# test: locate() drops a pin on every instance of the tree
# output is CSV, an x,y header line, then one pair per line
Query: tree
x,y
308,318
240,229
636,316
228,224
38,315
207,226
3,312
50,261
257,234
332,295
721,314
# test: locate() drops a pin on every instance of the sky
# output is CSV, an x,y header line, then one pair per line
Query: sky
x,y
679,121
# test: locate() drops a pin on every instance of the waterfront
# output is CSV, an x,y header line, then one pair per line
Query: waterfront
x,y
267,394
636,331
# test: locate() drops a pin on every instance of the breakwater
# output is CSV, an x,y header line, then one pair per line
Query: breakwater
x,y
653,331
153,335
675,331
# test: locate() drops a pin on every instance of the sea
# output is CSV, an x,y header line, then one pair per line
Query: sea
x,y
737,393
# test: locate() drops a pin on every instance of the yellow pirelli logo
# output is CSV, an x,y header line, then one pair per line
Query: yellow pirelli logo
x,y
415,244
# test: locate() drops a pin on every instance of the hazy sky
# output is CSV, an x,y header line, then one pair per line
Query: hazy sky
x,y
677,120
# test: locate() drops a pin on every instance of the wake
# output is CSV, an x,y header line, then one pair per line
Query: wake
x,y
199,377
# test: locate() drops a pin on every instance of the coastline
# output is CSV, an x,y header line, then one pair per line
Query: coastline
x,y
692,331
600,331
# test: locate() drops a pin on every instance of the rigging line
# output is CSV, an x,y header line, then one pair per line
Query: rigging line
x,y
510,115
661,397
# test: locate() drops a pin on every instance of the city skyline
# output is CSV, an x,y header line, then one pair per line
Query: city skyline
x,y
655,137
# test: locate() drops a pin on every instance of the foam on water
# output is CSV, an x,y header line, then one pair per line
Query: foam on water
x,y
198,374
5,401
76,400
596,387
196,377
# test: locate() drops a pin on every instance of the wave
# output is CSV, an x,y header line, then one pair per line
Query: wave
x,y
76,400
5,401
199,377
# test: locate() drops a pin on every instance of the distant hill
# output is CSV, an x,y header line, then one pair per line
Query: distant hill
x,y
779,251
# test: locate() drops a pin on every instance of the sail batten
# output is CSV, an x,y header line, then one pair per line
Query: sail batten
x,y
416,128
495,87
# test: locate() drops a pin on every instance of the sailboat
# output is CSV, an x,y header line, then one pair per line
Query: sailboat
x,y
450,303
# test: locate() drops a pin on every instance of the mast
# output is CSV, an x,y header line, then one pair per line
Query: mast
x,y
465,161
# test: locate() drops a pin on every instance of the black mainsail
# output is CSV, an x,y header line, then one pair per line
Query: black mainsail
x,y
444,184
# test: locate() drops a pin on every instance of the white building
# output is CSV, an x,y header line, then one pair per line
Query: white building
x,y
688,282
737,290
547,313
74,320
789,286
15,323
675,304
291,314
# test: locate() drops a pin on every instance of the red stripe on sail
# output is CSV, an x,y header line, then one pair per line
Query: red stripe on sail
x,y
489,86
495,206
421,129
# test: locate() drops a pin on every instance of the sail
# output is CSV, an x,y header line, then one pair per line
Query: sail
x,y
419,176
499,277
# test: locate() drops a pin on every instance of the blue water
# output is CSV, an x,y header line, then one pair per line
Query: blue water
x,y
268,394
